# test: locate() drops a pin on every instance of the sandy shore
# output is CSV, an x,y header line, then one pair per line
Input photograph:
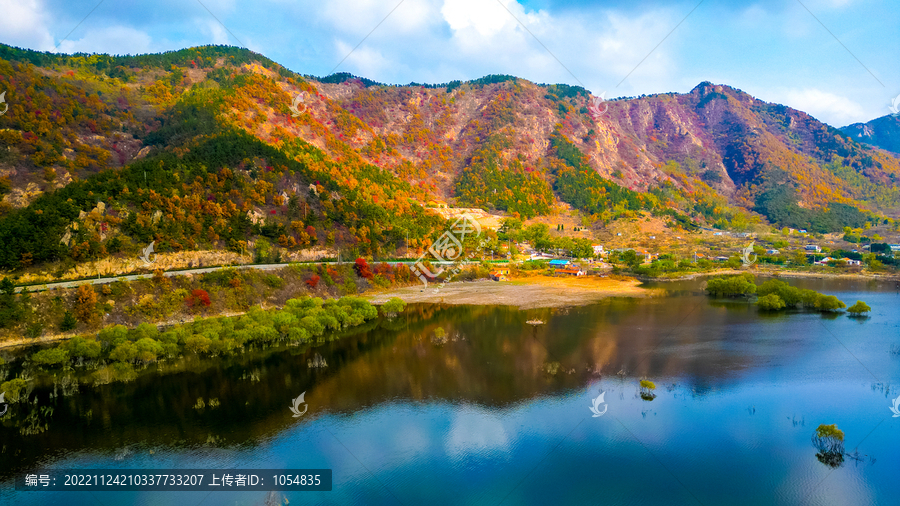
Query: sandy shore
x,y
525,293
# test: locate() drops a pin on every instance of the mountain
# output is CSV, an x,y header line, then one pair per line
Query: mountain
x,y
219,147
883,132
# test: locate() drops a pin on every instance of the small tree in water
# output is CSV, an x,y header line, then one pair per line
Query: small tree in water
x,y
829,440
392,307
440,336
859,309
647,388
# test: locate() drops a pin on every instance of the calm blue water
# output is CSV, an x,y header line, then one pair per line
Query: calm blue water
x,y
404,418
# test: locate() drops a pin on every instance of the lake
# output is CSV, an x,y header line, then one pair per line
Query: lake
x,y
469,405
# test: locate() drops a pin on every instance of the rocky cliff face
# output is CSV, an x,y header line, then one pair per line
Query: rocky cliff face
x,y
883,132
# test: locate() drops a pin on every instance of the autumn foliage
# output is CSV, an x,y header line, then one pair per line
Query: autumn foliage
x,y
86,303
197,298
362,268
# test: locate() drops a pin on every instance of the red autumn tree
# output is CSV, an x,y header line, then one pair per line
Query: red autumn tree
x,y
385,270
362,268
198,297
313,281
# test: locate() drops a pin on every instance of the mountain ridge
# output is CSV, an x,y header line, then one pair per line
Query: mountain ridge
x,y
366,151
882,132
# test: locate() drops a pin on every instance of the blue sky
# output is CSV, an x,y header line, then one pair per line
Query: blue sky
x,y
777,50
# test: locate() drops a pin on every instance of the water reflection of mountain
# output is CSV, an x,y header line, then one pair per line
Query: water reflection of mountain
x,y
473,354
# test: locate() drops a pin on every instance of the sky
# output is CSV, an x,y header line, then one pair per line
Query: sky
x,y
835,59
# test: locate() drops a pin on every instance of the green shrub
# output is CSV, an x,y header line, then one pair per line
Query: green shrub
x,y
124,352
770,302
79,346
112,334
859,308
68,322
829,303
380,281
273,281
731,286
393,306
50,357
14,389
148,349
197,344
312,325
795,297
349,287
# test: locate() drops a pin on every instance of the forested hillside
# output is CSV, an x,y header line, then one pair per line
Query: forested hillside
x,y
219,147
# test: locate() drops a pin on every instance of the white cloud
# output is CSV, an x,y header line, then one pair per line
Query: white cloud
x,y
24,23
833,109
486,18
597,46
218,34
622,42
364,61
112,39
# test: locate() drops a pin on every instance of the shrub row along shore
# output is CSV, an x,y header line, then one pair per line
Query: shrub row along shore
x,y
115,351
775,294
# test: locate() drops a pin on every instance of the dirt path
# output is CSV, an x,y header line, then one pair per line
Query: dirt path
x,y
526,293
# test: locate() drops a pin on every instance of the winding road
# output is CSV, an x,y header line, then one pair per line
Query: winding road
x,y
200,270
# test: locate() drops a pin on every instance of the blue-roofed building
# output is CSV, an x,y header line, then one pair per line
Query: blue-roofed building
x,y
558,263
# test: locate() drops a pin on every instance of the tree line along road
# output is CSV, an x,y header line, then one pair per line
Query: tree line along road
x,y
200,270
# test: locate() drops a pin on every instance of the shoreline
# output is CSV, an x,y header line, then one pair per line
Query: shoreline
x,y
529,292
525,293
776,273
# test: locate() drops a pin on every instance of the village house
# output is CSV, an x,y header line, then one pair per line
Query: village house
x,y
569,271
812,247
500,274
844,261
